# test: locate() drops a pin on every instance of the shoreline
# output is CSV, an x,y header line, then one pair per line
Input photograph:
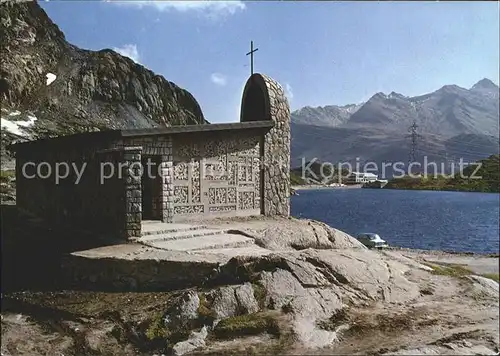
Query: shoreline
x,y
318,187
485,265
440,190
443,252
359,186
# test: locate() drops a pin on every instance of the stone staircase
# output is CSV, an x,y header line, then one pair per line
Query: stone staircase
x,y
197,238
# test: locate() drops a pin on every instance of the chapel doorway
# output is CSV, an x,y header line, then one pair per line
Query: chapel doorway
x,y
151,188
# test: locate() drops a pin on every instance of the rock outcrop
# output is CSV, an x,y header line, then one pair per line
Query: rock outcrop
x,y
307,288
298,234
68,89
345,300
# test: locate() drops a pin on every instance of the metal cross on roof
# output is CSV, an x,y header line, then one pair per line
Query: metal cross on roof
x,y
251,56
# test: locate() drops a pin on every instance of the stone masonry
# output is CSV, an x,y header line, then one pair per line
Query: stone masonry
x,y
276,145
110,206
132,180
160,147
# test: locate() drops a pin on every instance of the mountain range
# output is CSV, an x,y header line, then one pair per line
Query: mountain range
x,y
49,87
452,123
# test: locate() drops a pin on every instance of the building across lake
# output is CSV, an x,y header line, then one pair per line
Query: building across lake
x,y
360,178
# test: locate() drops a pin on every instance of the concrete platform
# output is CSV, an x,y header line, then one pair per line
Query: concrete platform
x,y
135,267
162,235
203,242
234,252
138,252
167,256
151,227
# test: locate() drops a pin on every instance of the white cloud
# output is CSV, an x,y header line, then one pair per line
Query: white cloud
x,y
128,50
209,8
288,91
218,79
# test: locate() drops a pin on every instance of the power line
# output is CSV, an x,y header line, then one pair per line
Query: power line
x,y
414,137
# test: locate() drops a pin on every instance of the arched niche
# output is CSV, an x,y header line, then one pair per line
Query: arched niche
x,y
264,99
255,104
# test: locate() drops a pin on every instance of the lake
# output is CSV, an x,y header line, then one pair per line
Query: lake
x,y
451,221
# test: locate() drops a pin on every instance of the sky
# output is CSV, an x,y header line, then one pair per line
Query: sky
x,y
321,52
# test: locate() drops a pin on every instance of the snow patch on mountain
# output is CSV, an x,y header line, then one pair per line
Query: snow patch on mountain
x,y
50,78
16,124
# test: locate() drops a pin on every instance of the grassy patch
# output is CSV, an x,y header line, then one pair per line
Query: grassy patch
x,y
205,312
457,270
131,306
249,324
488,170
260,294
157,329
7,175
338,318
246,330
160,334
368,322
452,270
493,276
296,179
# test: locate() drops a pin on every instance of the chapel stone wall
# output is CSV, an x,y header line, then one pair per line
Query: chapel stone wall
x,y
264,99
158,147
81,200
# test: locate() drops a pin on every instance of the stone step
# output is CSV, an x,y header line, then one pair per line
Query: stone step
x,y
239,251
158,228
205,242
151,222
180,235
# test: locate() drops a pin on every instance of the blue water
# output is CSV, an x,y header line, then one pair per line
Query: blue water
x,y
451,221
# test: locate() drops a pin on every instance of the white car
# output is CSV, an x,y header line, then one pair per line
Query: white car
x,y
371,240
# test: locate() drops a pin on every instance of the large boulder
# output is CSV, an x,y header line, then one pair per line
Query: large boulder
x,y
308,287
299,234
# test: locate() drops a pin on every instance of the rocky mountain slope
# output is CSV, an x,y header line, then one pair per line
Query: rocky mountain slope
x,y
449,111
330,115
452,122
50,87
